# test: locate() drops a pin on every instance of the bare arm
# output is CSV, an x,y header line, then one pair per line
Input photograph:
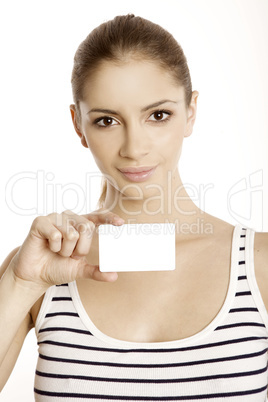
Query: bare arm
x,y
53,253
15,319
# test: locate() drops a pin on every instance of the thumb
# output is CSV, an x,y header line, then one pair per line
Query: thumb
x,y
90,271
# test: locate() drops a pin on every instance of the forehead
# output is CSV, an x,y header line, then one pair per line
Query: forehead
x,y
132,81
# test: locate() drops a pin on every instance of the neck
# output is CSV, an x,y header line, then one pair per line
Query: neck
x,y
169,204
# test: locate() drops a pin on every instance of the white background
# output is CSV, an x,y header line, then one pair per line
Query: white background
x,y
44,167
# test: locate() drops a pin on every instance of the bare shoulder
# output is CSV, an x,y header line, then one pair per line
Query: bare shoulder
x,y
261,263
261,251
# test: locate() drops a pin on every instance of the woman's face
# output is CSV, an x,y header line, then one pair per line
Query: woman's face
x,y
133,115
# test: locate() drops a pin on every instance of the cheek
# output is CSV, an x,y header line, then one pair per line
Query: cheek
x,y
102,153
172,142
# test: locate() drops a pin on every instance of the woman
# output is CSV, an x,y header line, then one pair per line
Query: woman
x,y
198,332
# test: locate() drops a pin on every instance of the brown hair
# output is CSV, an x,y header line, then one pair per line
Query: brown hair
x,y
116,40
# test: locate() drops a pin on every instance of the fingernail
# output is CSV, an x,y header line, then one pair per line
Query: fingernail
x,y
118,220
77,257
112,276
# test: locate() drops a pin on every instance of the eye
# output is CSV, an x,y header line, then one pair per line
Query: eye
x,y
105,121
159,116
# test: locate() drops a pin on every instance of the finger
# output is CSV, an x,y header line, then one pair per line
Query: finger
x,y
85,229
43,228
70,236
92,272
104,216
70,239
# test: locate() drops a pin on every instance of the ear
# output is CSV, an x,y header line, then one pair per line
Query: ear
x,y
76,126
191,111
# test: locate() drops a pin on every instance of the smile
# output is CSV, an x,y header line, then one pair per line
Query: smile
x,y
138,174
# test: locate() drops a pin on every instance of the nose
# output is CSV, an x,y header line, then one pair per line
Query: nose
x,y
136,143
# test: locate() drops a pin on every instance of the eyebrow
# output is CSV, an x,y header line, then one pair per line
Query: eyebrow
x,y
144,109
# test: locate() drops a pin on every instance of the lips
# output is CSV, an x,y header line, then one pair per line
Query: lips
x,y
136,169
138,174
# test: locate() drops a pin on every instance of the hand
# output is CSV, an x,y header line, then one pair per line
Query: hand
x,y
54,250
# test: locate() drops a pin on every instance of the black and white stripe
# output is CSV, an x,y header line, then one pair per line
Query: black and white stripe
x,y
227,361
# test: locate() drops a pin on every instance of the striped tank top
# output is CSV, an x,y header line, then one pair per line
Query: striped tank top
x,y
226,361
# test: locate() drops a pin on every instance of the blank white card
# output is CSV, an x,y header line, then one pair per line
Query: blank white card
x,y
137,247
